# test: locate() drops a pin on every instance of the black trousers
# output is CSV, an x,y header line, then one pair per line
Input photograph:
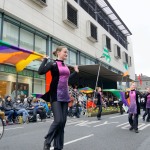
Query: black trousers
x,y
133,120
99,111
56,131
148,112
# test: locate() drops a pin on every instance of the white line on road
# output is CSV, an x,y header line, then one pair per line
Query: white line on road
x,y
118,116
14,128
76,140
144,127
105,123
122,124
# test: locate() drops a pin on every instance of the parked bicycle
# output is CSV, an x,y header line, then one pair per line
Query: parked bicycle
x,y
1,127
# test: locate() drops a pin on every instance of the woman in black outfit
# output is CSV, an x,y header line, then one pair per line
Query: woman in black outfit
x,y
98,96
58,95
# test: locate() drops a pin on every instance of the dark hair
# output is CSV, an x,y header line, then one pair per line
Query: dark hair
x,y
58,49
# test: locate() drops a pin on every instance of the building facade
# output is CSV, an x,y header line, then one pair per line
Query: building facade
x,y
85,27
143,82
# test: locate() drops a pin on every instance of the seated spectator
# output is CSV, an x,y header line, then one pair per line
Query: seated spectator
x,y
37,109
2,114
9,110
20,109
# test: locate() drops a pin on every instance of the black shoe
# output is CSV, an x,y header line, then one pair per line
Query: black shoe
x,y
46,146
136,131
143,119
131,128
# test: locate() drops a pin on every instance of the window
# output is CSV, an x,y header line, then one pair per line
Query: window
x,y
88,61
70,15
10,33
91,31
54,46
117,51
125,57
26,39
129,61
73,58
40,45
82,60
42,3
108,43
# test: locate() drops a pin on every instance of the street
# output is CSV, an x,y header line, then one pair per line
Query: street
x,y
85,133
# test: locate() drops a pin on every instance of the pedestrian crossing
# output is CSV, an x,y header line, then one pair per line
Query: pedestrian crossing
x,y
96,124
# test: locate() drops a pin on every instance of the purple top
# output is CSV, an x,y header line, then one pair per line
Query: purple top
x,y
133,106
148,102
62,88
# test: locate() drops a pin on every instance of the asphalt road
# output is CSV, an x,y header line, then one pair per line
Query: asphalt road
x,y
85,133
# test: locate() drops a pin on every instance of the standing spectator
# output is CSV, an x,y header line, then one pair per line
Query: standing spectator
x,y
120,106
99,101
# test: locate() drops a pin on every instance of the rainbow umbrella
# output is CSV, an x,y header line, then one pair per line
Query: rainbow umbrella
x,y
86,90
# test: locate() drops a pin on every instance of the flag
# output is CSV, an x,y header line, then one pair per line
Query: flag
x,y
125,73
106,54
126,66
140,80
19,57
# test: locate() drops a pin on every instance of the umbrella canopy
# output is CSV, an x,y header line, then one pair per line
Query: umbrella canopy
x,y
86,90
119,94
37,95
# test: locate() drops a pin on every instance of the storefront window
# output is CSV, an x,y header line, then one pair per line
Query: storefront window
x,y
92,62
3,88
73,58
10,33
88,61
26,39
54,46
40,45
82,60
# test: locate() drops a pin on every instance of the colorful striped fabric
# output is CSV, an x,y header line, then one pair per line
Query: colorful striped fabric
x,y
17,56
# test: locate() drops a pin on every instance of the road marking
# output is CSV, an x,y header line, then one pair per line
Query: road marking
x,y
126,125
76,140
87,123
118,116
14,128
144,127
79,122
105,123
122,124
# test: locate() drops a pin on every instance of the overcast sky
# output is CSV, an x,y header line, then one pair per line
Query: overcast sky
x,y
135,14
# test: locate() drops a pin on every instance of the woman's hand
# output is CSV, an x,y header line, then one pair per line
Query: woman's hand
x,y
76,68
47,57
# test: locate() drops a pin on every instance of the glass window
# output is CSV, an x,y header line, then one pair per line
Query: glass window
x,y
92,62
54,46
88,61
73,58
40,45
26,39
10,33
82,60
